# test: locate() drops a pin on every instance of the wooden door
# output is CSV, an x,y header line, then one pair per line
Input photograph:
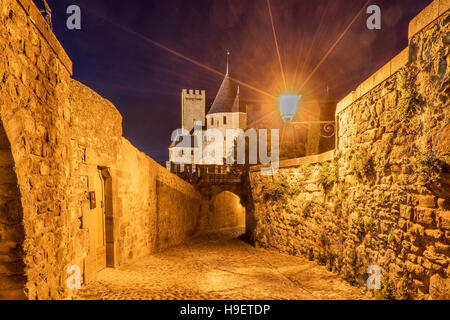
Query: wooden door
x,y
99,217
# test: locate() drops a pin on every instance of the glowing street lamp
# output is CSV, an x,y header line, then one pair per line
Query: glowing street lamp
x,y
288,109
288,106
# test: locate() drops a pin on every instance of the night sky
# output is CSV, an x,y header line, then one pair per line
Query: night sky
x,y
115,52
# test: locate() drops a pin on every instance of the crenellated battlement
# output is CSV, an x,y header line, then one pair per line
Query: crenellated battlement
x,y
191,93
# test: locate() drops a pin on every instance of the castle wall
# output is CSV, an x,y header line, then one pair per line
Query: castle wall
x,y
382,197
178,209
61,134
12,273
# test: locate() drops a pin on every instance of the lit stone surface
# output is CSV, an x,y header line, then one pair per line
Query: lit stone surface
x,y
378,211
219,266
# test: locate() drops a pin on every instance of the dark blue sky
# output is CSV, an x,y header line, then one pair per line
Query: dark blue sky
x,y
113,53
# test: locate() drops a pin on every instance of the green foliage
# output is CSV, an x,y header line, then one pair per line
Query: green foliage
x,y
325,257
409,100
365,223
396,289
402,291
328,175
281,188
308,208
381,164
382,200
274,190
360,221
355,269
388,289
391,238
306,170
428,168
360,163
337,207
369,224
446,159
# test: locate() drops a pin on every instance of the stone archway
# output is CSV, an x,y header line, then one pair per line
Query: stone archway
x,y
12,234
224,204
227,211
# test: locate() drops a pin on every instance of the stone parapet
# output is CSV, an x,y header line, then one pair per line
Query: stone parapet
x,y
430,14
290,163
389,69
39,22
427,16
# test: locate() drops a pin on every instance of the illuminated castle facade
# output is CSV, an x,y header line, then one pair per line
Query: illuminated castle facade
x,y
225,113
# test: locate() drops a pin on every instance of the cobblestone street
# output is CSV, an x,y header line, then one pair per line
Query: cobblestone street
x,y
219,266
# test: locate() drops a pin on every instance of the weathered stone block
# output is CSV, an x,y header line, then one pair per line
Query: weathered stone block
x,y
443,248
439,288
407,212
427,201
444,220
425,216
434,233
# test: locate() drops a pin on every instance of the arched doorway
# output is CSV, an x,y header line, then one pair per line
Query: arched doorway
x,y
12,234
227,211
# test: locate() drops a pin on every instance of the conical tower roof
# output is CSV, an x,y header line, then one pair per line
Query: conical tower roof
x,y
226,96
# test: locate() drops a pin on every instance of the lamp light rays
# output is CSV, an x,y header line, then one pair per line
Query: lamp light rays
x,y
276,44
180,55
335,44
308,55
298,58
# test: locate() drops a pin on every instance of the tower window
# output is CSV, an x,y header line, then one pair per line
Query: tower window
x,y
224,120
212,121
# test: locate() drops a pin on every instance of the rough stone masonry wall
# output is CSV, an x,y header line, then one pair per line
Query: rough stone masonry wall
x,y
157,209
30,79
57,135
12,273
383,197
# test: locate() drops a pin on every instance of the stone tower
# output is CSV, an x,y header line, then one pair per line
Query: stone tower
x,y
193,105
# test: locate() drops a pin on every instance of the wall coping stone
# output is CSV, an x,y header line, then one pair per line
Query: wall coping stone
x,y
297,162
384,73
431,13
427,16
39,22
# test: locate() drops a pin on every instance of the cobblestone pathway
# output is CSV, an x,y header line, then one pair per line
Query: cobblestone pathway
x,y
219,266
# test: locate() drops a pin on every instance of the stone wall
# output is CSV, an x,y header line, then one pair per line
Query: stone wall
x,y
382,197
12,274
178,208
55,136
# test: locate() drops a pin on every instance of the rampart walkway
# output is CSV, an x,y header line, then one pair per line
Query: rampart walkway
x,y
219,266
